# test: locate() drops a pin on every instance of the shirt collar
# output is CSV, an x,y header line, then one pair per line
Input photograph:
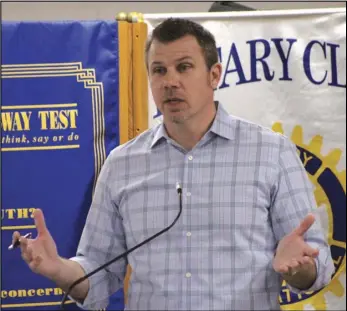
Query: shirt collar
x,y
159,134
223,125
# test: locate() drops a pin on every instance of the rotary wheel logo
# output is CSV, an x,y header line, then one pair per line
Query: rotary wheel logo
x,y
330,194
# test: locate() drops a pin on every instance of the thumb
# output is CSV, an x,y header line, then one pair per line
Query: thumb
x,y
305,225
40,222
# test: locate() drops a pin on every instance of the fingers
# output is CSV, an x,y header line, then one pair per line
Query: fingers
x,y
29,252
35,262
25,250
293,266
27,255
305,225
311,252
282,269
288,269
40,222
305,260
15,237
23,242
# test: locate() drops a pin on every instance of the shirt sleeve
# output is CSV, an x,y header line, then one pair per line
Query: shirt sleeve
x,y
102,240
293,199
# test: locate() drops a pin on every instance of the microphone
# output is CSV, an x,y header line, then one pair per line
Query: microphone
x,y
80,280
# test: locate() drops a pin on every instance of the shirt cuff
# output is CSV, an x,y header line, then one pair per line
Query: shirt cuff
x,y
325,269
97,297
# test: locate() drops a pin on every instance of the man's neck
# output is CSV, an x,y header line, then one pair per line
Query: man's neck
x,y
191,131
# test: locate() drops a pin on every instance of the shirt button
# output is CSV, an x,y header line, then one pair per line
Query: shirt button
x,y
190,158
188,234
188,275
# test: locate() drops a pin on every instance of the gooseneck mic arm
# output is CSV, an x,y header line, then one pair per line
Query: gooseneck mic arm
x,y
80,280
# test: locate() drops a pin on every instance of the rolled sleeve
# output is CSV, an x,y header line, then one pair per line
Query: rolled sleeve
x,y
96,298
293,201
325,270
102,240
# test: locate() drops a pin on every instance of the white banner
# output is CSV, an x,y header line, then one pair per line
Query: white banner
x,y
286,70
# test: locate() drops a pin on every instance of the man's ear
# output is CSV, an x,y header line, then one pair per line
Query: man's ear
x,y
215,75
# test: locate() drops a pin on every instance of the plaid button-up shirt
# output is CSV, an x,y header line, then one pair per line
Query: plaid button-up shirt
x,y
244,189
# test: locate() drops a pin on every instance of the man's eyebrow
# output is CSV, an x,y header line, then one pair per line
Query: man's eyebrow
x,y
177,60
156,63
183,58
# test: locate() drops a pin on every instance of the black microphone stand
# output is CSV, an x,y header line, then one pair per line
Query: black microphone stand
x,y
80,280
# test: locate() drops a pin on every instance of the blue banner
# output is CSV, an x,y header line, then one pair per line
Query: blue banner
x,y
59,121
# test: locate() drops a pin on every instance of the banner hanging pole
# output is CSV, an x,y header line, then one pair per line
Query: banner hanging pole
x,y
125,79
139,72
220,15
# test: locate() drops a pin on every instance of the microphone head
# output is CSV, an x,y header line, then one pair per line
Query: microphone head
x,y
178,187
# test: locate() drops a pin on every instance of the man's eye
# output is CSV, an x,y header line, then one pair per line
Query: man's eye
x,y
159,70
183,67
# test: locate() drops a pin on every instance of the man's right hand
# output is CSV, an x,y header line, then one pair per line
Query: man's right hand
x,y
42,257
40,253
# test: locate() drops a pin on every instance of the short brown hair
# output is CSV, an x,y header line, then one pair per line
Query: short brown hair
x,y
175,28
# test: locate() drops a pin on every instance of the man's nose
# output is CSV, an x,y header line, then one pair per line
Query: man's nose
x,y
171,79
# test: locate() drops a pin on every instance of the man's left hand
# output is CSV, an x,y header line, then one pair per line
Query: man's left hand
x,y
293,253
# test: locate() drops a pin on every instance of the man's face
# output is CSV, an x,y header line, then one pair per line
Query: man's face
x,y
181,84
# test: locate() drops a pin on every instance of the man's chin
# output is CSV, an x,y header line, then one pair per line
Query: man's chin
x,y
176,116
177,119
